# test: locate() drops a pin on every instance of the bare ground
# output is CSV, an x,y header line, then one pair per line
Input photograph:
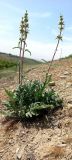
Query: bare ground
x,y
46,139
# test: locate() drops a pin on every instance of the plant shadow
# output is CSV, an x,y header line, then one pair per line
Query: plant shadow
x,y
41,122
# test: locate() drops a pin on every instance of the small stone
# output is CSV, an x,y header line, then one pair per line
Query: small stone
x,y
62,145
30,156
19,153
17,150
62,77
70,101
23,132
10,141
66,73
52,83
68,85
19,156
1,150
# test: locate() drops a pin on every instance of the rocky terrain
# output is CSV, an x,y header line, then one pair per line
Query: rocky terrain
x,y
49,138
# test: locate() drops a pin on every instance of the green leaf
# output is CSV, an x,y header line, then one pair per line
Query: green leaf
x,y
9,93
26,50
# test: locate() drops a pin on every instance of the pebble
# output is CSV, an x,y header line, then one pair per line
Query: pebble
x,y
52,83
63,77
66,73
68,85
70,101
10,141
19,153
19,156
1,150
17,150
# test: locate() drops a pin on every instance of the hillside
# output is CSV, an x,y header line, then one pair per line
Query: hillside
x,y
9,65
10,57
46,139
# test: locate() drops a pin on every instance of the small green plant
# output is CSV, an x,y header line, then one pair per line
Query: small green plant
x,y
32,99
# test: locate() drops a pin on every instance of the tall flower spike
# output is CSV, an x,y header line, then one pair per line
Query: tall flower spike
x,y
61,27
59,38
61,23
24,30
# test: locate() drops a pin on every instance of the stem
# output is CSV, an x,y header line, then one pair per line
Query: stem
x,y
22,60
20,64
54,54
47,79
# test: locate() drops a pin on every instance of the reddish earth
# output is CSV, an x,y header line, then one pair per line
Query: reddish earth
x,y
49,139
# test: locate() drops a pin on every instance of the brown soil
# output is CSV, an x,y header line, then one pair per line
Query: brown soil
x,y
46,139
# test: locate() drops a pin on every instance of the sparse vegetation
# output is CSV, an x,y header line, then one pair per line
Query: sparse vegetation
x,y
70,56
7,64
